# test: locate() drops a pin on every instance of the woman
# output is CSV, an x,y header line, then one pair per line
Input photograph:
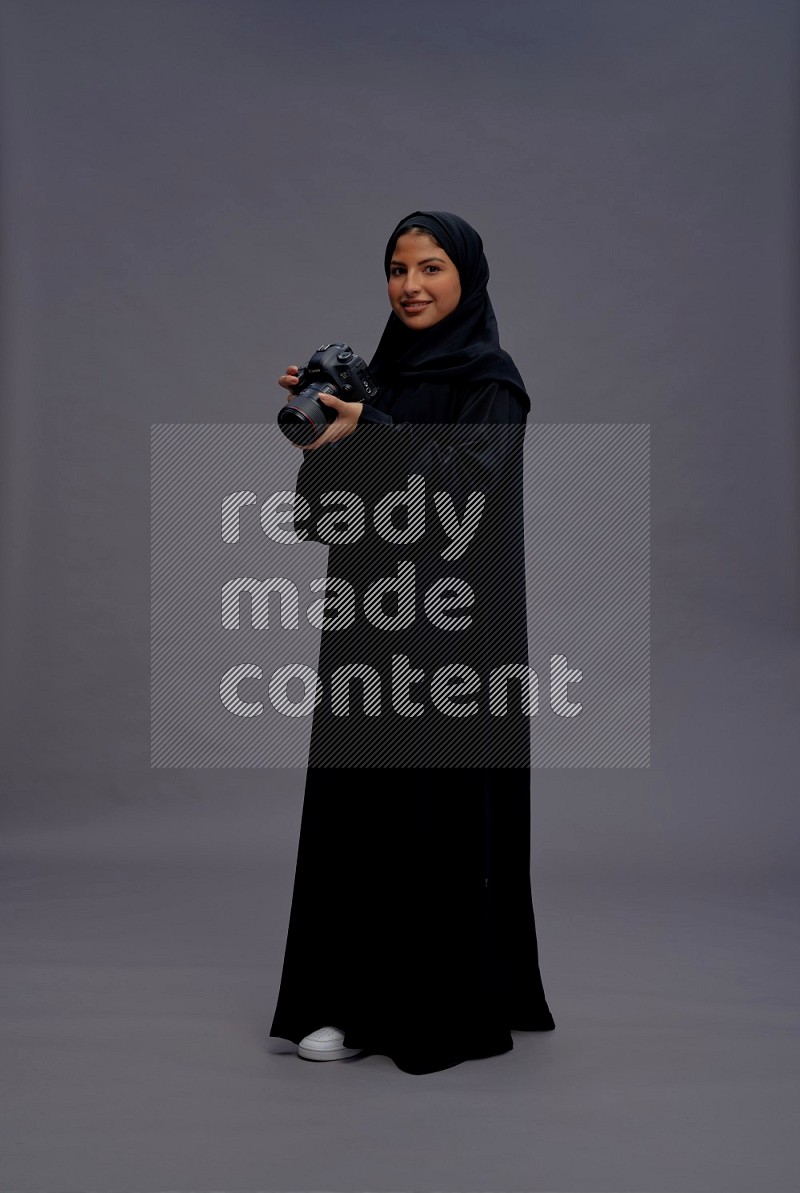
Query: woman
x,y
412,930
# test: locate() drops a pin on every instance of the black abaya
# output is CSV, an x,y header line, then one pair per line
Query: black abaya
x,y
412,926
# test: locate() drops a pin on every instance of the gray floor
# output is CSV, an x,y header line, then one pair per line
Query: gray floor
x,y
135,1011
142,950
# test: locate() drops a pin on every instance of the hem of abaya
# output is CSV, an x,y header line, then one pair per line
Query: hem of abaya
x,y
430,1059
541,1023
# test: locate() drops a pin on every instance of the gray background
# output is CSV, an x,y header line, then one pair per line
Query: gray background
x,y
193,194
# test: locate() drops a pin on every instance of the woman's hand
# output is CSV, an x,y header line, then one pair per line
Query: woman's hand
x,y
347,413
346,421
289,379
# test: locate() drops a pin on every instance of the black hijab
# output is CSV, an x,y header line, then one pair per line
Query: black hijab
x,y
465,345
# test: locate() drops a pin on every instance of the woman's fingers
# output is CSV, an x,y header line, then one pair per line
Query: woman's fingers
x,y
346,421
289,379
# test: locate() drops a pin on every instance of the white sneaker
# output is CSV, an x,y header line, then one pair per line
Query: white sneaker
x,y
325,1044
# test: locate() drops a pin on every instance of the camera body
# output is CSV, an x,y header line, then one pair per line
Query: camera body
x,y
333,369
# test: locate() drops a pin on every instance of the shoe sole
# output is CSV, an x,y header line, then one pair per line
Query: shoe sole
x,y
333,1054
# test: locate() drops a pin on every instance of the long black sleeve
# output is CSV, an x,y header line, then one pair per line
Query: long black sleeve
x,y
470,453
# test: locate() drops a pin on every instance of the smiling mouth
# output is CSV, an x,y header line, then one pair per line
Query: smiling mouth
x,y
415,306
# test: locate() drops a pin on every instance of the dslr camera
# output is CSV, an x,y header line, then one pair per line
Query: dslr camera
x,y
333,369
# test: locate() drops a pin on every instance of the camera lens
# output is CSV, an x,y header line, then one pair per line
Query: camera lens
x,y
296,425
303,418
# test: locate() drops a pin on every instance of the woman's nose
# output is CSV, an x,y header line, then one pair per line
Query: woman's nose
x,y
411,284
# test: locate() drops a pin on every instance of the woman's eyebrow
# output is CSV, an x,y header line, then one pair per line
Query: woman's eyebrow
x,y
424,261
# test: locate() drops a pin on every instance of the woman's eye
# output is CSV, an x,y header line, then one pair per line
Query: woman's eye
x,y
435,268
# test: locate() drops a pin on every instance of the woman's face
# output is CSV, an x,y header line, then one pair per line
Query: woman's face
x,y
424,285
